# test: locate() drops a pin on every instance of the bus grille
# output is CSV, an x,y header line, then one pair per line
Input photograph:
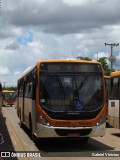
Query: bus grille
x,y
65,132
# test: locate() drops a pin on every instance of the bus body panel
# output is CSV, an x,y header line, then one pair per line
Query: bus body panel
x,y
114,113
114,108
95,131
25,113
27,110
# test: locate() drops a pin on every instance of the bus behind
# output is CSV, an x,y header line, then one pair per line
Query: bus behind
x,y
114,100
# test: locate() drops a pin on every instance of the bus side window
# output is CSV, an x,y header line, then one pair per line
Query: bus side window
x,y
34,83
114,92
28,86
30,89
20,89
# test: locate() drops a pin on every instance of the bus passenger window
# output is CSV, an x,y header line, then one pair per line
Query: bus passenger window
x,y
114,92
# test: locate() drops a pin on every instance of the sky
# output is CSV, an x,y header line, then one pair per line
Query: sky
x,y
55,29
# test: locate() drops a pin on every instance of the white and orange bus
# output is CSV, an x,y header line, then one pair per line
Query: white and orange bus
x,y
8,97
63,98
114,100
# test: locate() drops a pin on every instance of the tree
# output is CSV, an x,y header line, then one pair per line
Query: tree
x,y
10,88
103,61
84,58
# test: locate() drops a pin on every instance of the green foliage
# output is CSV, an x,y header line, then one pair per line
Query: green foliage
x,y
107,70
102,60
10,88
84,58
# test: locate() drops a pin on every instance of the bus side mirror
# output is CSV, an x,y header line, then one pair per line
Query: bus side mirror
x,y
0,87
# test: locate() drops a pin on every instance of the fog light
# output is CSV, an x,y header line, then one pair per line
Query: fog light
x,y
101,120
44,121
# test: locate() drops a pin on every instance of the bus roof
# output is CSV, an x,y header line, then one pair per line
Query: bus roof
x,y
26,71
68,60
116,73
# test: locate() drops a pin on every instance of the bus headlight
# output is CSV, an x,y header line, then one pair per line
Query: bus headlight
x,y
101,120
44,121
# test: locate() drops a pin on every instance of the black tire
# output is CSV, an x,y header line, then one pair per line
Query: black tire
x,y
21,124
35,139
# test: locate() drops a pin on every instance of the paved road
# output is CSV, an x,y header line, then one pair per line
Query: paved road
x,y
17,139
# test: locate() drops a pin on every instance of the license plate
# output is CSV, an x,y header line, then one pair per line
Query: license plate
x,y
73,135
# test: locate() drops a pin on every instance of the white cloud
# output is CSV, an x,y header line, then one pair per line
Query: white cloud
x,y
40,1
76,2
80,2
4,71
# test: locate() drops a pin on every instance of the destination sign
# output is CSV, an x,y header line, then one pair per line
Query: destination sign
x,y
70,67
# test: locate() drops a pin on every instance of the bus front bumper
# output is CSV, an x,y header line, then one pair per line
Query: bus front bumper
x,y
50,132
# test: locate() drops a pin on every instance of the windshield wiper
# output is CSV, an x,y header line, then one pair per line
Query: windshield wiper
x,y
83,82
76,91
60,84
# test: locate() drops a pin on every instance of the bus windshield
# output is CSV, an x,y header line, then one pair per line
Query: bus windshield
x,y
9,95
65,92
